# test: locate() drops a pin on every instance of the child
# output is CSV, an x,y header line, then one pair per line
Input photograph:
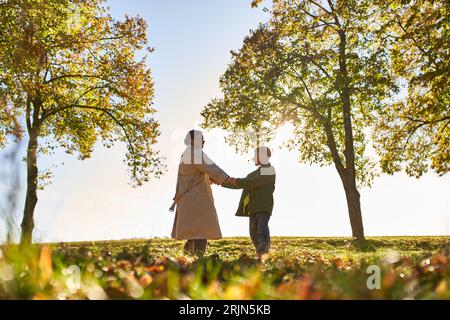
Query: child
x,y
257,199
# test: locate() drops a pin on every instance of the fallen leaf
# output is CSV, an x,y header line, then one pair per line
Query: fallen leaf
x,y
45,264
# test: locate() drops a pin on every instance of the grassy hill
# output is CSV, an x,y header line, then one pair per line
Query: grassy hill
x,y
296,268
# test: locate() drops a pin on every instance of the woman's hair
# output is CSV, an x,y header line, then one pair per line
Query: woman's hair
x,y
192,136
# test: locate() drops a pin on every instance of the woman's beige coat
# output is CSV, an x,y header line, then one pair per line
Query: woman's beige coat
x,y
196,216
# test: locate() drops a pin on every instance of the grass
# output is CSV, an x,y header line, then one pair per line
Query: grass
x,y
296,268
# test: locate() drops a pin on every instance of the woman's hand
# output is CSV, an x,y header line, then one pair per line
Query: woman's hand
x,y
231,180
212,181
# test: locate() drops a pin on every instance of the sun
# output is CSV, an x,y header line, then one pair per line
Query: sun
x,y
284,133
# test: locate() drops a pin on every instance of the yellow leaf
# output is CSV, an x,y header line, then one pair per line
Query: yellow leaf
x,y
45,264
441,289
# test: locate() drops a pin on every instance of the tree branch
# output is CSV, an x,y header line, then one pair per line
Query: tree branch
x,y
320,6
104,110
331,142
321,69
336,20
28,114
326,23
410,136
409,35
424,122
74,76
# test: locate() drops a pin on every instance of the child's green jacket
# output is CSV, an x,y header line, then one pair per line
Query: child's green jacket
x,y
257,194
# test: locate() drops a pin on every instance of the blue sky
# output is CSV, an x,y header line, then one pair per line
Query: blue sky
x,y
92,199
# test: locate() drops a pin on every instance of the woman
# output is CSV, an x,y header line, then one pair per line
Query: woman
x,y
196,218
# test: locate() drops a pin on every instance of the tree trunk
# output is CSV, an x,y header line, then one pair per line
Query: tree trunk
x,y
348,175
31,196
354,206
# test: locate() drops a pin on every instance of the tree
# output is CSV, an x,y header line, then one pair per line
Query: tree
x,y
68,77
413,132
320,65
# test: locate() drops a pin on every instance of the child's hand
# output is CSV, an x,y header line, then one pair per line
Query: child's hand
x,y
231,180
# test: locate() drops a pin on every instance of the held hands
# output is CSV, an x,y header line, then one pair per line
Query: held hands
x,y
230,180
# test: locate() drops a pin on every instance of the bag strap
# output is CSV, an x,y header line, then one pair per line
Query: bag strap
x,y
178,196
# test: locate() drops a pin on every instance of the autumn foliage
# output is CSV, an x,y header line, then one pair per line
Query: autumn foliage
x,y
297,268
70,75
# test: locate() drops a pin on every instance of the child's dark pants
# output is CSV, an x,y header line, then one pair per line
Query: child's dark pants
x,y
259,231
